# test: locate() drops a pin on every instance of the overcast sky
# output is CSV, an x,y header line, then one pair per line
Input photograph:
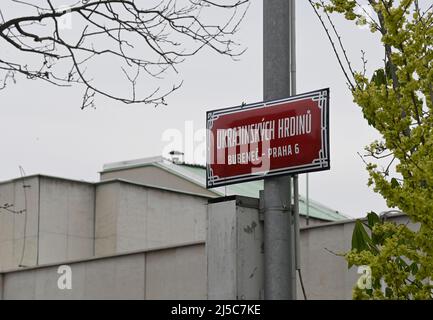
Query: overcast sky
x,y
43,129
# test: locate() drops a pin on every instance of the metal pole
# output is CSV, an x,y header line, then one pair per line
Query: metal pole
x,y
295,178
297,232
293,47
280,266
307,202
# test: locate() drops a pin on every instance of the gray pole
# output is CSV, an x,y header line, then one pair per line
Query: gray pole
x,y
279,236
307,202
296,177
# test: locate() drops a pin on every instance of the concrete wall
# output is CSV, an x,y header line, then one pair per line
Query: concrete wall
x,y
143,275
151,175
235,254
221,250
178,273
133,217
12,239
59,226
66,220
63,218
326,275
234,250
311,222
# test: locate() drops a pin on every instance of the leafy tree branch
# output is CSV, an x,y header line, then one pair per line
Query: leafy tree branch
x,y
397,100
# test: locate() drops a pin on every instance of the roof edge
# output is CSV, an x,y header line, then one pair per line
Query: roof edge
x,y
150,186
38,175
128,164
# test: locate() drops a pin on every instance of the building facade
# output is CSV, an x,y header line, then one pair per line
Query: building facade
x,y
150,230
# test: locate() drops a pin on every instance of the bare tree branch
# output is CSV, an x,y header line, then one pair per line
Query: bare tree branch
x,y
340,62
8,209
142,41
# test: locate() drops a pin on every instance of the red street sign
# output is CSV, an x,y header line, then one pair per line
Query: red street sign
x,y
281,137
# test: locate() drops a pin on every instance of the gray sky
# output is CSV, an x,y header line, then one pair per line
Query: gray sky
x,y
43,129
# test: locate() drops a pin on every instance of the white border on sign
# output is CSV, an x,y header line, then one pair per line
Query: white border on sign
x,y
322,163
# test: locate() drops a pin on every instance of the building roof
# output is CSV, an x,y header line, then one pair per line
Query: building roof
x,y
197,175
